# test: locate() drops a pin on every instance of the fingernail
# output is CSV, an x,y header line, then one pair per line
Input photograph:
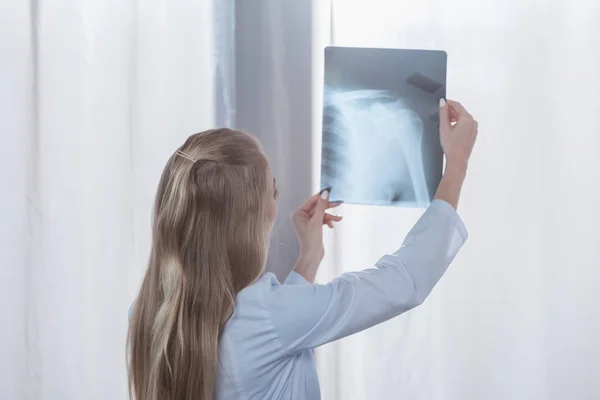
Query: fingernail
x,y
442,102
325,193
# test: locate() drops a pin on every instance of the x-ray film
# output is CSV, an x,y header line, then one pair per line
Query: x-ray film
x,y
381,143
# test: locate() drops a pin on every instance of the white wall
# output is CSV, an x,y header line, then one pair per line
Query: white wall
x,y
515,317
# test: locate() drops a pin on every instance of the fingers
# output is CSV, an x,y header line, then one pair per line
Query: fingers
x,y
460,111
444,115
448,115
308,209
463,116
332,204
309,204
330,219
322,204
453,116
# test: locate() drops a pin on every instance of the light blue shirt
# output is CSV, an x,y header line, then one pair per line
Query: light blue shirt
x,y
265,348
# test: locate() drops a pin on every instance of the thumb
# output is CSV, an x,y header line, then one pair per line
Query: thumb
x,y
321,206
444,116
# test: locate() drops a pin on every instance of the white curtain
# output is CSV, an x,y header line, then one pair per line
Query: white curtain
x,y
95,95
516,316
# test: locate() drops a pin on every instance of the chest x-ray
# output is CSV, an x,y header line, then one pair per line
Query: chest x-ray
x,y
380,125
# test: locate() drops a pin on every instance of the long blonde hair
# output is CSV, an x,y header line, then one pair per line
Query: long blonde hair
x,y
210,236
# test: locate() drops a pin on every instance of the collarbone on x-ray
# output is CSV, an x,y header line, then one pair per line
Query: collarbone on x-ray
x,y
372,148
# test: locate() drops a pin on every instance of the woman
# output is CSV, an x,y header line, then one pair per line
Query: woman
x,y
208,323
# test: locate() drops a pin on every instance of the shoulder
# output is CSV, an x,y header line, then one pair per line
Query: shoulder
x,y
268,293
249,332
266,283
252,302
261,294
268,305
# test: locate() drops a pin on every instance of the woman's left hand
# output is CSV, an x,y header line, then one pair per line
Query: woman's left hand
x,y
308,220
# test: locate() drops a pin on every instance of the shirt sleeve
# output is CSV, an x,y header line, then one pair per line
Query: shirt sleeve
x,y
307,316
295,278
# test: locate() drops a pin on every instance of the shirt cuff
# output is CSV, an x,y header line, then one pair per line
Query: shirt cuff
x,y
446,210
295,278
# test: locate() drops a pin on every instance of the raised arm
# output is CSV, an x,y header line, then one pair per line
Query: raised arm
x,y
307,316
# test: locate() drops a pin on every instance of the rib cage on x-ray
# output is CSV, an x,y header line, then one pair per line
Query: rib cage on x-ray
x,y
372,148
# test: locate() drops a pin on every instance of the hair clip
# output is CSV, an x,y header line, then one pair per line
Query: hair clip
x,y
182,154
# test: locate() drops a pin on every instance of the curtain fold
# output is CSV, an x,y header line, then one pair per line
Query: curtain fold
x,y
274,103
17,232
95,97
514,316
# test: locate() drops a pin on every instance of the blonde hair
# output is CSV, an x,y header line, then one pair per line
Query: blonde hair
x,y
210,238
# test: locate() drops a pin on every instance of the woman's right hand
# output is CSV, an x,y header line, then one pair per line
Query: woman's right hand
x,y
458,131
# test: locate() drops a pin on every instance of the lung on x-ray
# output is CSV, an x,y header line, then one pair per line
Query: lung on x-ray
x,y
381,143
